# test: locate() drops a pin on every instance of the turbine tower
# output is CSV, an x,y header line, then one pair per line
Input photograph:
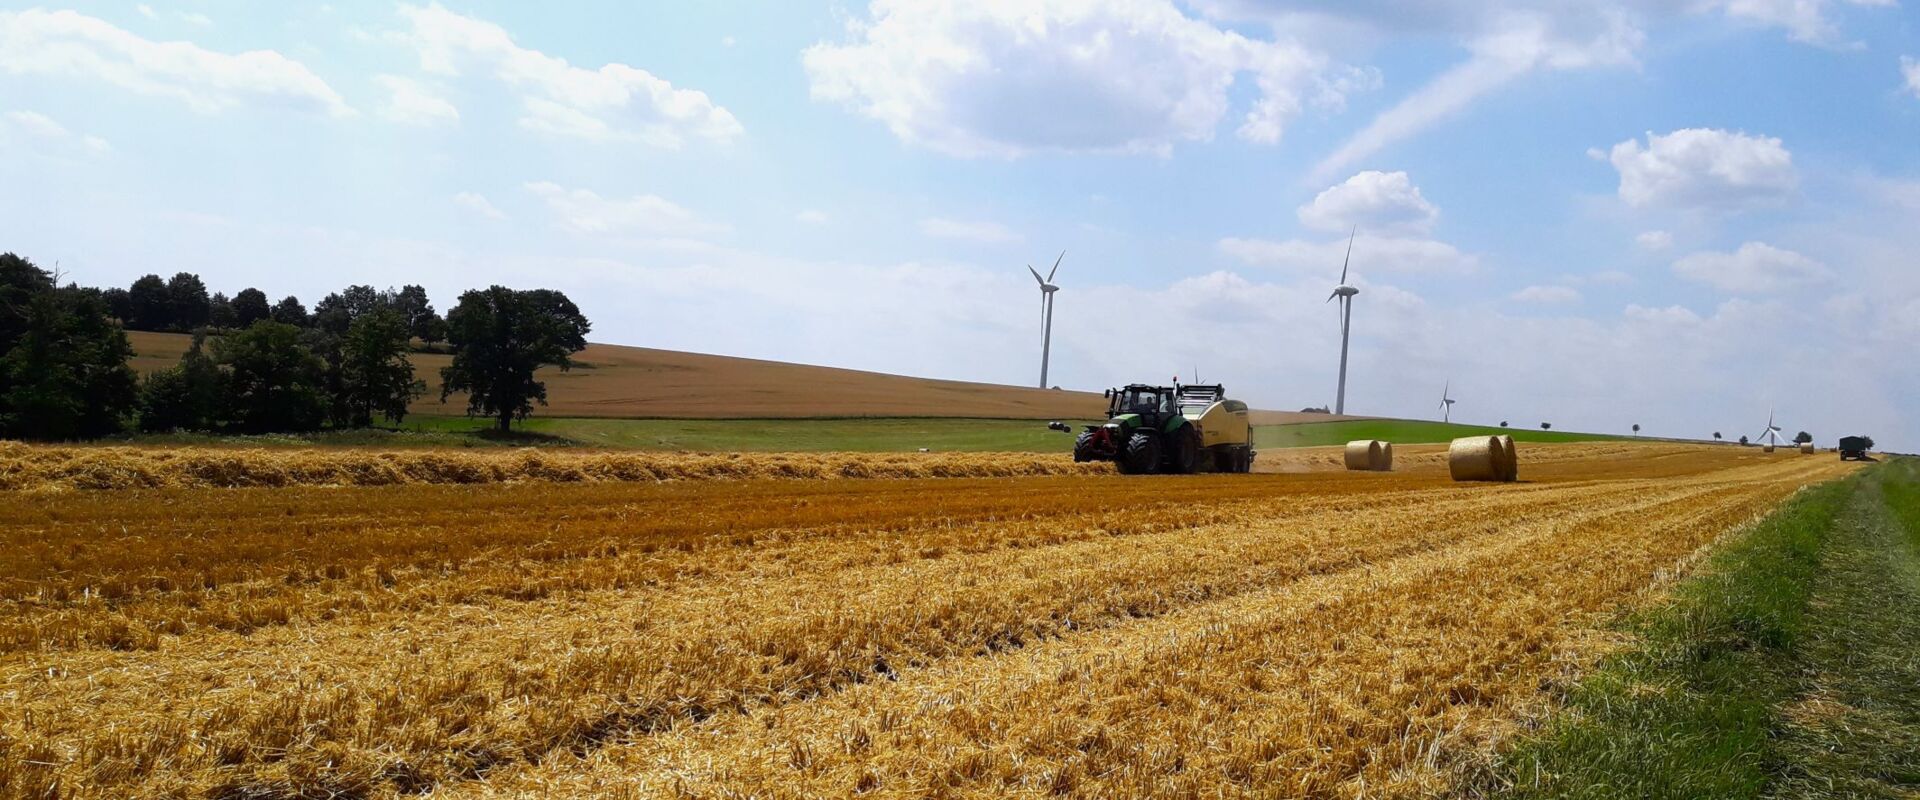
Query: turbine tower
x,y
1047,288
1345,292
1446,402
1772,433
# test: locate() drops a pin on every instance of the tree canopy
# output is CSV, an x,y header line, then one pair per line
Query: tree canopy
x,y
501,337
63,358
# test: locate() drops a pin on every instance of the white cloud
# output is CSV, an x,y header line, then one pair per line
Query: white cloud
x,y
1910,70
614,102
1704,168
728,41
1505,44
146,11
1380,202
1370,254
1009,78
478,204
974,231
195,18
583,211
1654,240
411,102
71,44
1756,267
1809,21
41,132
811,217
1547,295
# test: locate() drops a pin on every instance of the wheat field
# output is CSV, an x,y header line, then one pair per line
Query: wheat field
x,y
1310,632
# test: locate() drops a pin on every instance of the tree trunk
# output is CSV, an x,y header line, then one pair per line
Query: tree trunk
x,y
506,421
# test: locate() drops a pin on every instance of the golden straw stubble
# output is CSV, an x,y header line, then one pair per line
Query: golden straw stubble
x,y
1090,634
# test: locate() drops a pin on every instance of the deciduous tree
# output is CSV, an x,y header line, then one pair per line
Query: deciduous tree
x,y
500,338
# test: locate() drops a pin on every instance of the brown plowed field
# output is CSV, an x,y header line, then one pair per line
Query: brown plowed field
x,y
1320,633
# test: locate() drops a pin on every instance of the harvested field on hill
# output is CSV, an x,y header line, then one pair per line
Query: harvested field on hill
x,y
639,382
1321,633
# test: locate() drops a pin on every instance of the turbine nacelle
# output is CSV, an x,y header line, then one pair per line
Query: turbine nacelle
x,y
1343,290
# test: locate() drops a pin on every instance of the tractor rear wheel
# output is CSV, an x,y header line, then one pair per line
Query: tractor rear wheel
x,y
1142,455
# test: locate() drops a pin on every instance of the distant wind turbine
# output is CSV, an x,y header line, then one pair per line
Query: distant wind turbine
x,y
1446,402
1345,292
1772,433
1047,288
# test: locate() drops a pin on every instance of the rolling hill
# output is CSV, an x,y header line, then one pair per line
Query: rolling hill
x,y
619,382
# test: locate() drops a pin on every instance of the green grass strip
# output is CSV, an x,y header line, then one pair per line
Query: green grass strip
x,y
1687,712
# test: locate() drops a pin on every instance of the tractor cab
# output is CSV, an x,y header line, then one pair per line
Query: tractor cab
x,y
1151,403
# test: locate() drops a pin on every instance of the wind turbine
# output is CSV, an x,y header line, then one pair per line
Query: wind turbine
x,y
1772,433
1446,402
1345,292
1047,288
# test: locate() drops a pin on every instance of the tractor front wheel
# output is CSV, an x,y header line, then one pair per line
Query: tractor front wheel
x,y
1142,455
1083,447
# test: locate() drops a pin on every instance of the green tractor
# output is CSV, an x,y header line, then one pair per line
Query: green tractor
x,y
1170,429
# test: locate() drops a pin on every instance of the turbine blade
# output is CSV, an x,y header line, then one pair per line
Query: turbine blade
x,y
1056,266
1036,274
1349,259
1331,296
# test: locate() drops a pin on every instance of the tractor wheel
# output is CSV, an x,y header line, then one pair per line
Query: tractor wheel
x,y
1142,455
1185,458
1083,447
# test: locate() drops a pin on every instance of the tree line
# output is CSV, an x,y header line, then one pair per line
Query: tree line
x,y
260,368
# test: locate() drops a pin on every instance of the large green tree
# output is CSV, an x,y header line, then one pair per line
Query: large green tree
x,y
192,308
375,375
500,337
250,306
63,358
277,381
152,309
289,311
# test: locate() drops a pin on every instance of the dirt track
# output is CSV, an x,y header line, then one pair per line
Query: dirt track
x,y
1325,633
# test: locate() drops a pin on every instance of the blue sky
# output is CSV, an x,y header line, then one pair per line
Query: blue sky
x,y
1591,212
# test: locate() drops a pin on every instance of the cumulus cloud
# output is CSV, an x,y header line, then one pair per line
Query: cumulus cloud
x,y
71,44
1654,240
1370,254
1380,202
1910,70
614,102
1547,295
1703,168
973,231
1756,267
410,102
586,212
478,204
1006,79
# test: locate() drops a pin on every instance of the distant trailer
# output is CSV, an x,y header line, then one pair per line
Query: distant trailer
x,y
1854,448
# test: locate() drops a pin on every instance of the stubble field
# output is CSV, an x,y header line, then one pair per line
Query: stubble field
x,y
1305,631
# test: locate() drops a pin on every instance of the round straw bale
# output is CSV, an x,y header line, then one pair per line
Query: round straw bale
x,y
1386,456
1510,466
1363,455
1477,458
1806,448
1767,449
